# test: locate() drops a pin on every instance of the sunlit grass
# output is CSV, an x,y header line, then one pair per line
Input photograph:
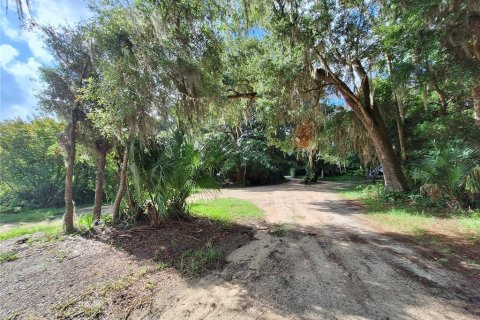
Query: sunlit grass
x,y
49,228
31,215
413,220
344,178
226,210
47,221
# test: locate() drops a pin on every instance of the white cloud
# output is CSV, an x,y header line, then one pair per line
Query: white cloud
x,y
59,12
45,12
19,111
7,54
27,77
25,72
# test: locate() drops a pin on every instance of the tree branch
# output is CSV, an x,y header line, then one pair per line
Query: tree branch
x,y
365,83
238,95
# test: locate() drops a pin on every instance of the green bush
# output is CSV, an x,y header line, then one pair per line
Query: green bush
x,y
454,170
85,222
167,172
246,159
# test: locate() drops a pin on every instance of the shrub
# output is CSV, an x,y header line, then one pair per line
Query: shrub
x,y
85,222
454,170
167,172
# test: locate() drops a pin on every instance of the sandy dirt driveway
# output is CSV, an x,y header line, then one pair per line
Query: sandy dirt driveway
x,y
314,257
329,264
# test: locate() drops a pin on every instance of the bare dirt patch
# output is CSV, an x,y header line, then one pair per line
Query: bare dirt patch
x,y
109,274
330,264
167,243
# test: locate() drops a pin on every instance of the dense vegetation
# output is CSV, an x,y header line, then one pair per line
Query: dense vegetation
x,y
156,100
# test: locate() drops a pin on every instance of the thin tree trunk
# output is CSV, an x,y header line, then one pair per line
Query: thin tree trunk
x,y
476,101
401,137
400,112
425,99
400,121
443,99
474,24
68,217
99,181
121,187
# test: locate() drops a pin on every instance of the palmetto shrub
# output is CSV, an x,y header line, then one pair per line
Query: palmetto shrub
x,y
452,169
166,172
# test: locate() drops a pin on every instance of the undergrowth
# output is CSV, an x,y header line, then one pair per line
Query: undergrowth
x,y
195,263
8,256
408,211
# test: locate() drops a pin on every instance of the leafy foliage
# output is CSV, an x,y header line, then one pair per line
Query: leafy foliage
x,y
452,168
33,171
246,157
167,172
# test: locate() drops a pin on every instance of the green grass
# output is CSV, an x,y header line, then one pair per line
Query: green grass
x,y
278,230
51,228
226,210
163,265
47,221
413,219
352,192
344,178
8,256
25,222
33,215
194,263
85,222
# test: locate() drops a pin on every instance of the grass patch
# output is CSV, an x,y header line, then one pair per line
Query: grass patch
x,y
34,215
344,178
51,228
419,222
352,192
163,265
8,256
471,223
25,222
278,230
226,210
47,221
194,263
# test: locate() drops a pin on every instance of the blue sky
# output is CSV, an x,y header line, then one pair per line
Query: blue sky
x,y
22,52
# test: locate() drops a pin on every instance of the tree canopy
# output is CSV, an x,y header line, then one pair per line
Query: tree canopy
x,y
263,86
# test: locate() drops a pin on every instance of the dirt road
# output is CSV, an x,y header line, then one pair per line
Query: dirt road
x,y
313,257
329,265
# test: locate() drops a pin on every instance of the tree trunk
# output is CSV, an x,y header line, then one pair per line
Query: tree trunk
x,y
476,101
400,121
443,103
377,131
392,171
425,99
401,137
367,112
443,99
400,112
121,187
102,150
68,217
